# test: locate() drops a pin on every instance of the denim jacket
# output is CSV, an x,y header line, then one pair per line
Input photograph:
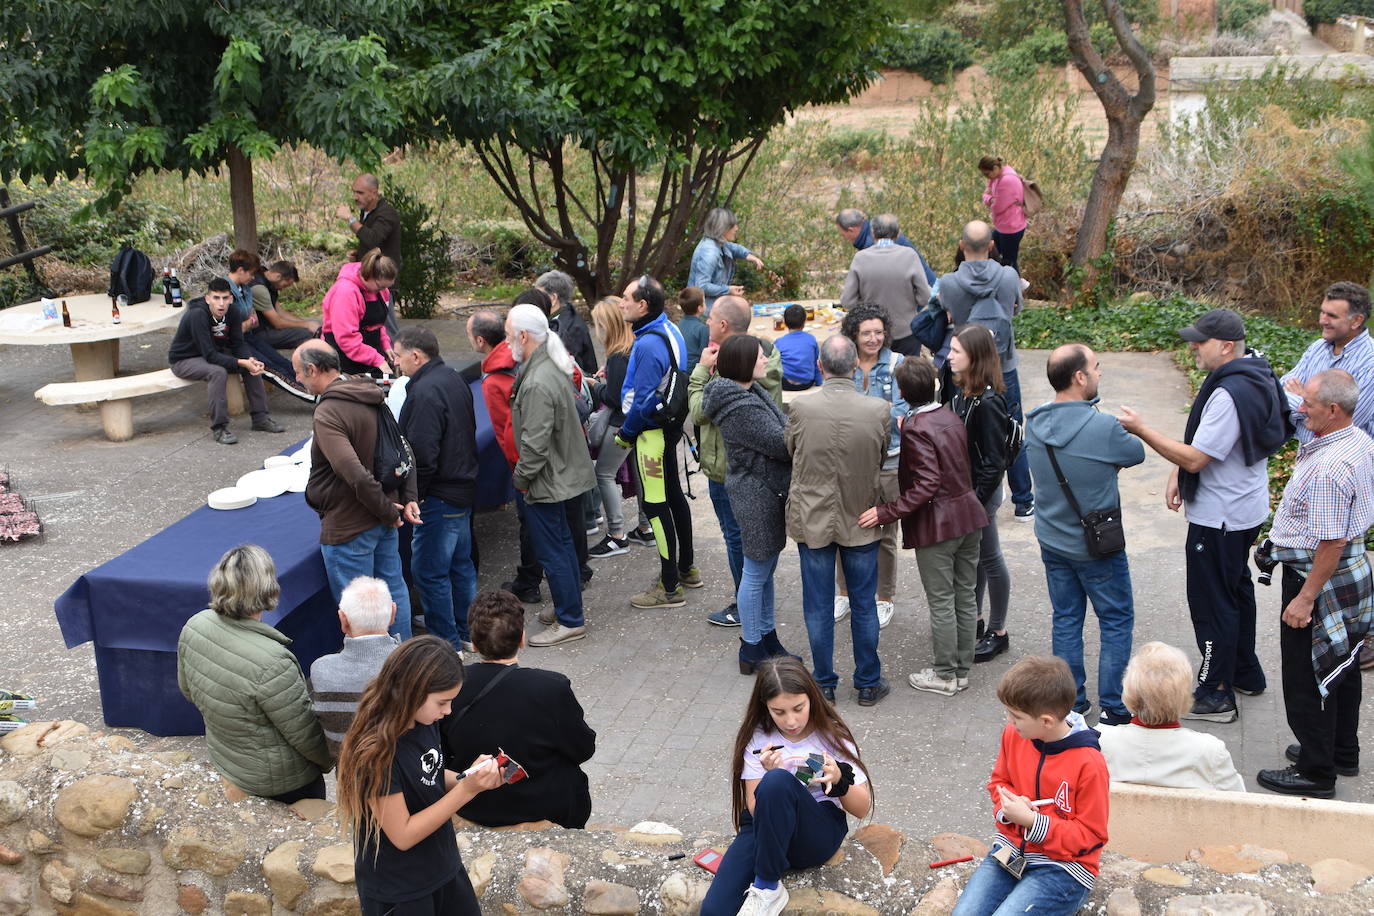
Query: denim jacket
x,y
881,384
713,267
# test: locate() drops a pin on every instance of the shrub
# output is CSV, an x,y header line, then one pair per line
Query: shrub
x,y
1006,22
426,270
853,145
17,287
1240,15
933,51
1330,10
64,220
505,247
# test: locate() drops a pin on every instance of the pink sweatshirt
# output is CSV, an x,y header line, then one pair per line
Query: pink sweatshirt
x,y
1004,195
342,316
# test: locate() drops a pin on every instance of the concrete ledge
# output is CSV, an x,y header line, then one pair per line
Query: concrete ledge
x,y
1161,825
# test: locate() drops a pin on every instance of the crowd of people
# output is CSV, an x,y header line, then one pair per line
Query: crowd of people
x,y
890,444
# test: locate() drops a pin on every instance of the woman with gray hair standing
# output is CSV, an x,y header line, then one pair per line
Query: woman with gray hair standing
x,y
261,731
713,262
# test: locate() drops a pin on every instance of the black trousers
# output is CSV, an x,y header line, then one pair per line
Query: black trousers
x,y
455,898
1328,732
529,573
1221,601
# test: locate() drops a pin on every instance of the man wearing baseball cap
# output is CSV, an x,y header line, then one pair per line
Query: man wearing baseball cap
x,y
1221,479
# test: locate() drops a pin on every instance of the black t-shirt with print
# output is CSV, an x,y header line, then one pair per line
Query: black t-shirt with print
x,y
393,876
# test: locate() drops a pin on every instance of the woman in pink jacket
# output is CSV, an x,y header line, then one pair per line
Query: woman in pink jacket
x,y
1006,197
354,314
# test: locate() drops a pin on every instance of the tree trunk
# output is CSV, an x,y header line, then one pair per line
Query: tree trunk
x,y
1125,112
241,200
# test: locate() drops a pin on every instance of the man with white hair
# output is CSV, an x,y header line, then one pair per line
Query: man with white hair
x,y
337,681
564,320
891,276
553,467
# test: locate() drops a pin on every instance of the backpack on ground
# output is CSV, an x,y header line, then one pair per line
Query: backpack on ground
x,y
988,312
392,460
671,409
131,274
1032,200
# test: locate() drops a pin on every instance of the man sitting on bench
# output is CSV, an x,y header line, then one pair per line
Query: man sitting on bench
x,y
208,346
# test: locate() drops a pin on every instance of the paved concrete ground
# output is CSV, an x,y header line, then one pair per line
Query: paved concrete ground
x,y
660,687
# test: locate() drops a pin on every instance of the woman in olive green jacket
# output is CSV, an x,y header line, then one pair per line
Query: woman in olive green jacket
x,y
262,733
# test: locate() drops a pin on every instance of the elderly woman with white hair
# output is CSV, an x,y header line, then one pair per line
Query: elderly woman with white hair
x,y
554,465
260,729
713,262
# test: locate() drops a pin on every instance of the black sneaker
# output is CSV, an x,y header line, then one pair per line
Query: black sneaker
x,y
642,537
267,425
991,646
224,435
1214,706
609,547
1113,718
829,694
871,696
527,595
1025,513
1294,750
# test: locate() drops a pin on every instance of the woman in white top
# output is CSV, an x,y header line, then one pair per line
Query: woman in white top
x,y
1154,749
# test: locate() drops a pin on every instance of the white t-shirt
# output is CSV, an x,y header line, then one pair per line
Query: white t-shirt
x,y
1230,493
794,757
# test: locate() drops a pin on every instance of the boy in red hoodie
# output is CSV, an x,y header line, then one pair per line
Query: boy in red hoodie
x,y
1049,796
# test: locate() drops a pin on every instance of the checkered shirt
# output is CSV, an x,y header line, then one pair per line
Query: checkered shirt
x,y
1331,493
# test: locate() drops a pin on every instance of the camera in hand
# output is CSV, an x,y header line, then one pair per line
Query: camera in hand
x,y
1265,562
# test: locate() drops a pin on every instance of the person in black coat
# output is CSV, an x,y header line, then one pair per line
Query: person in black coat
x,y
438,421
565,321
529,713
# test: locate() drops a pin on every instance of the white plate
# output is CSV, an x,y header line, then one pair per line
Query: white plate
x,y
231,498
265,484
302,455
300,476
276,461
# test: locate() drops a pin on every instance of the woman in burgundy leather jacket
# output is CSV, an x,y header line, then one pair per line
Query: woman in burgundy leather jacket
x,y
942,519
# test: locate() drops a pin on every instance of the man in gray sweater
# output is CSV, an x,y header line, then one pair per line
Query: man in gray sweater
x,y
337,681
892,276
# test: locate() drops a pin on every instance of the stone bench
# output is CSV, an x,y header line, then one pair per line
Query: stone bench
x,y
115,397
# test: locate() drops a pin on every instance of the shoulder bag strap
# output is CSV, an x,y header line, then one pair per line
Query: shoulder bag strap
x,y
459,713
1068,493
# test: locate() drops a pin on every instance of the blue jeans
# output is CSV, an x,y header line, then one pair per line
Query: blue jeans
x,y
860,565
788,829
1046,890
729,529
1108,584
375,552
755,598
1018,477
552,541
260,347
441,564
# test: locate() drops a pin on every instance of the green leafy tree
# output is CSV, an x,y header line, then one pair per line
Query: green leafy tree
x,y
424,252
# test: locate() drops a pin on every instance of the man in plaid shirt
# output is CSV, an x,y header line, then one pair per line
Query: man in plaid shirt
x,y
1328,589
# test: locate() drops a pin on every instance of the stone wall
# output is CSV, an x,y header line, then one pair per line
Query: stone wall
x,y
90,825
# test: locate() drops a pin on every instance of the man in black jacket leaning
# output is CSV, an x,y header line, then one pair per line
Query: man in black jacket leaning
x,y
207,347
438,421
565,322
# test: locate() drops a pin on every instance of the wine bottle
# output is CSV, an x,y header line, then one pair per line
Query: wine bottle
x,y
176,290
167,285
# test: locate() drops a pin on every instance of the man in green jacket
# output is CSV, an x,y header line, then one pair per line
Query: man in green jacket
x,y
554,464
729,316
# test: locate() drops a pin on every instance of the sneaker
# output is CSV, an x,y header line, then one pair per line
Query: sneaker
x,y
885,611
961,683
690,577
1025,513
926,679
658,596
547,616
725,617
1108,717
871,696
224,435
610,546
642,536
1214,706
527,595
290,386
267,425
759,902
557,634
991,646
1083,710
592,529
841,607
829,694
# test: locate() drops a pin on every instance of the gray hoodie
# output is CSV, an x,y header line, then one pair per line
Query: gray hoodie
x,y
973,281
1091,447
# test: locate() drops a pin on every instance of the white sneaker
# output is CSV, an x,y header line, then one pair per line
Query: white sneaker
x,y
759,902
961,683
841,607
885,610
926,679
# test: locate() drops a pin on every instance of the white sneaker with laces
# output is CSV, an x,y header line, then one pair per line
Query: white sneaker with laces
x,y
759,902
841,607
885,611
926,679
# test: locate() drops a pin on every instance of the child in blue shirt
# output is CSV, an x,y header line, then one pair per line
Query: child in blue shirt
x,y
800,352
694,330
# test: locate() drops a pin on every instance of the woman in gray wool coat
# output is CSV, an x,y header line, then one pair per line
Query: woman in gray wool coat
x,y
759,473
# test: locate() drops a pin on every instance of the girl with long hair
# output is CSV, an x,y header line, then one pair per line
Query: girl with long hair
x,y
354,314
787,815
396,795
979,402
618,340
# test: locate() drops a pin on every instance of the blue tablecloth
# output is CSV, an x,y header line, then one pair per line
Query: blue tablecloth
x,y
134,606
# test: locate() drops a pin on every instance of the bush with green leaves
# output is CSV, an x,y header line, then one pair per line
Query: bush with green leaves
x,y
1318,11
1005,23
65,220
426,270
1240,15
936,52
844,145
17,287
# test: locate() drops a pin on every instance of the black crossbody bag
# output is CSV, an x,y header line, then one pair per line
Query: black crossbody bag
x,y
1103,534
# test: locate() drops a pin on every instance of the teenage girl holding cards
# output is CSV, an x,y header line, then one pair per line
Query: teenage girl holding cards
x,y
395,793
783,822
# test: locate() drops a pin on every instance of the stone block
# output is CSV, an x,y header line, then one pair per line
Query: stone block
x,y
59,881
335,906
681,894
118,888
37,737
86,905
124,861
196,848
940,899
541,883
15,894
883,842
14,801
335,863
1122,902
810,901
95,804
1226,859
192,899
10,856
241,903
954,845
1166,876
312,809
69,759
603,898
1217,905
119,744
653,833
41,844
480,873
284,875
1336,876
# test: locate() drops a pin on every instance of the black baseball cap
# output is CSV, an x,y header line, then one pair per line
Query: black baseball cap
x,y
1218,324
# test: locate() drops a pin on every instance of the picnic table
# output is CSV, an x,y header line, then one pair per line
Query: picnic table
x,y
93,337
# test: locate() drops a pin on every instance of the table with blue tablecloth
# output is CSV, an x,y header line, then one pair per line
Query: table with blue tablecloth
x,y
134,606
